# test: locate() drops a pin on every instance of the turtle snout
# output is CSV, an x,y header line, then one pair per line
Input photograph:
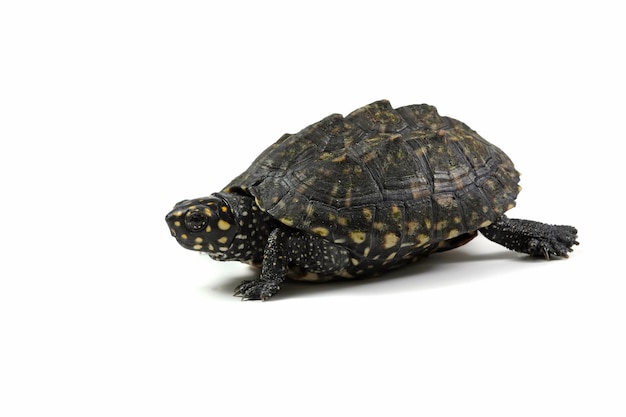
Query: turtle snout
x,y
173,222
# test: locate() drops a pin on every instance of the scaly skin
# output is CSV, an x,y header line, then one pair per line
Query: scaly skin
x,y
532,238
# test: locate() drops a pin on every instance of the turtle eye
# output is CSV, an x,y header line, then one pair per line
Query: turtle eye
x,y
196,221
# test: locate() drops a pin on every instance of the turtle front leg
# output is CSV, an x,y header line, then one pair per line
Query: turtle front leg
x,y
533,238
273,270
287,248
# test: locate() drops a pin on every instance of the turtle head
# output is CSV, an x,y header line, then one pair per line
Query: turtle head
x,y
204,224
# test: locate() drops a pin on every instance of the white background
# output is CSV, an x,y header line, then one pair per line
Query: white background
x,y
110,112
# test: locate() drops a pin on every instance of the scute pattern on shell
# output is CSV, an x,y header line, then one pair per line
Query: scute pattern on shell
x,y
384,182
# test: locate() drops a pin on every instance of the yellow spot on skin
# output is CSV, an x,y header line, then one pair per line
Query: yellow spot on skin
x,y
198,240
391,256
224,209
177,223
211,247
197,247
208,229
379,225
510,206
366,251
427,223
287,221
391,240
343,221
357,237
207,212
184,236
485,223
367,213
223,239
223,224
321,231
423,238
178,213
354,261
457,220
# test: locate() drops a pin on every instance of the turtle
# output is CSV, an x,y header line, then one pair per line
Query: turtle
x,y
356,196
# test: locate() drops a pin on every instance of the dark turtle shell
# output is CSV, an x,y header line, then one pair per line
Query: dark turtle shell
x,y
384,182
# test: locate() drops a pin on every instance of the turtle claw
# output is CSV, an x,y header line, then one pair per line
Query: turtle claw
x,y
256,290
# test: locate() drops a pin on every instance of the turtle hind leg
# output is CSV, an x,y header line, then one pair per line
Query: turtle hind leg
x,y
533,238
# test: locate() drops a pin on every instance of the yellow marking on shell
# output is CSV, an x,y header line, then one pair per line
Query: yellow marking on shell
x,y
287,221
484,224
208,212
326,155
223,224
345,274
321,231
223,240
485,209
310,210
367,213
357,237
177,223
395,212
331,217
379,225
457,220
366,251
198,240
309,276
340,158
184,236
342,221
453,233
369,156
510,206
441,224
422,238
411,227
197,247
427,223
390,240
